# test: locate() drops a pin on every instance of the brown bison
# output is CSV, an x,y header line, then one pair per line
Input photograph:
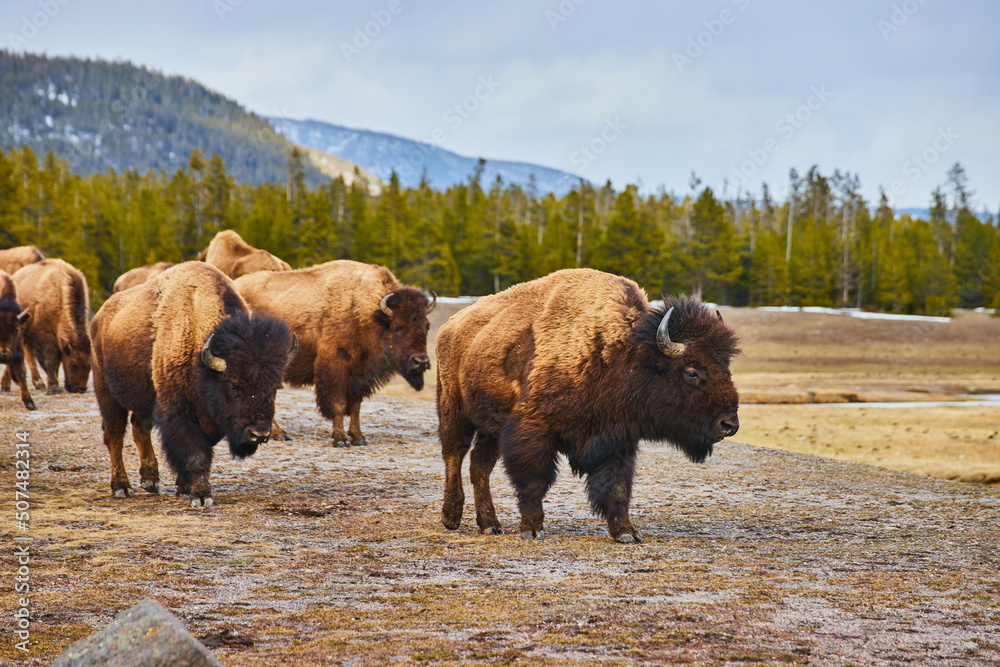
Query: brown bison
x,y
56,295
181,352
13,259
577,364
13,320
139,275
234,257
357,326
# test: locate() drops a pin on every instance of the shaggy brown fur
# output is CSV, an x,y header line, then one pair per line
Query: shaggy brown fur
x,y
569,365
139,275
56,295
13,320
13,259
148,360
234,257
348,346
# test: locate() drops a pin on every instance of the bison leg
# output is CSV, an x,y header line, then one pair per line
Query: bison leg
x,y
19,374
5,380
51,365
456,437
331,399
278,433
484,458
113,421
354,408
189,453
32,363
530,458
609,486
149,471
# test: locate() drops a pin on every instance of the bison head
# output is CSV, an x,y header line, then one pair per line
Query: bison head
x,y
76,363
12,323
403,318
691,400
244,360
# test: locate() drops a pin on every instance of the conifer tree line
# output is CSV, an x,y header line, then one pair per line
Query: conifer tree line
x,y
823,246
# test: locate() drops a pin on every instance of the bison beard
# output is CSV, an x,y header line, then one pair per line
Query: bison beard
x,y
539,372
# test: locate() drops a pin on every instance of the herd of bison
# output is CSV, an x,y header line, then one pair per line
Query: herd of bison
x,y
577,364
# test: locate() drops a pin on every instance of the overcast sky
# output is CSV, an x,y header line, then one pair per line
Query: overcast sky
x,y
895,91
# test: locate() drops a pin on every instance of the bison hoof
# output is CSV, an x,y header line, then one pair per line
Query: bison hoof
x,y
123,493
533,535
358,443
341,443
491,530
54,392
198,502
30,405
152,487
628,538
4,388
284,437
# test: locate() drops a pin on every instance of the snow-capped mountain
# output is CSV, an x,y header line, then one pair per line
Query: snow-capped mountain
x,y
381,153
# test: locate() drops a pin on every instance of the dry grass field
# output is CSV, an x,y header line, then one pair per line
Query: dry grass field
x,y
322,556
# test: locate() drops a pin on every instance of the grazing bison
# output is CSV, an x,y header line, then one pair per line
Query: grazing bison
x,y
13,319
13,259
579,364
182,352
234,257
56,295
357,326
139,275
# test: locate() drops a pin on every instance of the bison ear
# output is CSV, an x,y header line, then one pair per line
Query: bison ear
x,y
24,316
217,364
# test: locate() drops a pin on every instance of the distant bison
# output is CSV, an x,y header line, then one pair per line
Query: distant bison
x,y
56,295
577,364
182,352
234,257
139,275
13,259
13,319
357,326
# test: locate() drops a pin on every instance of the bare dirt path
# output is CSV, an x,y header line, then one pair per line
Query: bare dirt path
x,y
322,556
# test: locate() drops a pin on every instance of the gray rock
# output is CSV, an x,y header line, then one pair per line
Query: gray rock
x,y
147,635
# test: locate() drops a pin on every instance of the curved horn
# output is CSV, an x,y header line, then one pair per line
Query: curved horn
x,y
383,305
720,316
663,342
294,349
215,363
23,316
433,303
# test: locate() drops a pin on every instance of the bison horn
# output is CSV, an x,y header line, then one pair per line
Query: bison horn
x,y
294,349
434,302
383,305
667,346
209,359
23,316
720,316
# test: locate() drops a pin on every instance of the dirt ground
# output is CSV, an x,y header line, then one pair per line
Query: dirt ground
x,y
321,556
315,555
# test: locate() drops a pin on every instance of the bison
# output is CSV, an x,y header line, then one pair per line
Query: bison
x,y
13,320
357,326
577,364
56,295
13,259
183,353
234,257
139,275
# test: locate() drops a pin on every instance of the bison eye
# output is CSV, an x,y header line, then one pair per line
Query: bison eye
x,y
692,376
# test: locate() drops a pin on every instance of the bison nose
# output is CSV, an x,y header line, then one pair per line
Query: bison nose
x,y
259,434
729,424
420,362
